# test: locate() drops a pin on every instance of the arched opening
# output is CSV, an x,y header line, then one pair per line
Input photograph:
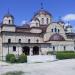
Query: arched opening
x,y
35,50
26,50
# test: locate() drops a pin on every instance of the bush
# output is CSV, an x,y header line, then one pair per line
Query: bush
x,y
22,58
65,52
9,56
12,59
65,55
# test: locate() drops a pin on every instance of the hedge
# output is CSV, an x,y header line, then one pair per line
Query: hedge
x,y
22,58
65,55
9,56
12,59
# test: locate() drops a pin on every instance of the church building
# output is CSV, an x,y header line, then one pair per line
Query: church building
x,y
37,37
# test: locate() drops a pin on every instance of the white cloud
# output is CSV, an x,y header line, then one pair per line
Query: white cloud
x,y
23,22
69,17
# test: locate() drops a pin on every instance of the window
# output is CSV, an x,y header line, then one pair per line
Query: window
x,y
55,30
47,20
19,40
64,48
52,30
42,20
14,48
9,41
37,24
28,40
9,21
37,40
53,48
58,30
74,48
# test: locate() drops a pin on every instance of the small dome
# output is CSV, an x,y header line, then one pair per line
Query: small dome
x,y
60,21
56,37
69,26
8,15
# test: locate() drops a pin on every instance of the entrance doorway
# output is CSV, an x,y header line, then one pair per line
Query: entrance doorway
x,y
35,50
26,50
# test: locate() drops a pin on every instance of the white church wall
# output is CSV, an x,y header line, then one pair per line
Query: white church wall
x,y
8,28
33,30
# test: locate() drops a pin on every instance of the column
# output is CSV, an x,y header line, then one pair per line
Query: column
x,y
31,51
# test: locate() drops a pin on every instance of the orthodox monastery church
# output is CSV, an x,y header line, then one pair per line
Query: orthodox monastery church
x,y
37,37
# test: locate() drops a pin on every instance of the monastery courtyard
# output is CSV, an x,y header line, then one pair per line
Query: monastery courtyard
x,y
61,67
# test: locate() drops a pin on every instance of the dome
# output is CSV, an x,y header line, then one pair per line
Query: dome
x,y
56,37
69,26
60,21
41,11
8,15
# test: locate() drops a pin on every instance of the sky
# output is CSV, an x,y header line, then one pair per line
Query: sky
x,y
23,10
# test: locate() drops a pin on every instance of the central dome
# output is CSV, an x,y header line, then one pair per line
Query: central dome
x,y
42,11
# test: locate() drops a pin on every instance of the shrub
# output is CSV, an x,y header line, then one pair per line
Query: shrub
x,y
9,56
64,51
12,59
22,58
62,55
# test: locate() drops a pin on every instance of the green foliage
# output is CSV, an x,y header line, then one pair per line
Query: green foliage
x,y
13,60
22,58
14,73
65,52
9,56
65,55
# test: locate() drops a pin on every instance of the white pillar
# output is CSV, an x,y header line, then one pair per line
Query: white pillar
x,y
31,53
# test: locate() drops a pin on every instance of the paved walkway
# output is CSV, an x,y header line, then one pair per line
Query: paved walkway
x,y
62,67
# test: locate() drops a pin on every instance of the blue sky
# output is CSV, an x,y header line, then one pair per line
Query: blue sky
x,y
25,9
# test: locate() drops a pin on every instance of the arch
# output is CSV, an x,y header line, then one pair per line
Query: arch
x,y
35,50
56,37
26,50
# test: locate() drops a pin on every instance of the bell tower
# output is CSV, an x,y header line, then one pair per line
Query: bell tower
x,y
8,23
8,19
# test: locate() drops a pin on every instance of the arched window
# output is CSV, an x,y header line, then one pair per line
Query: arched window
x,y
42,20
58,30
47,20
28,40
19,40
9,41
55,30
9,21
37,24
51,30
